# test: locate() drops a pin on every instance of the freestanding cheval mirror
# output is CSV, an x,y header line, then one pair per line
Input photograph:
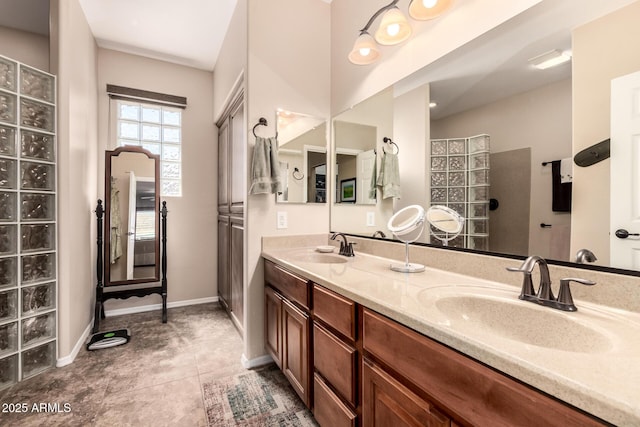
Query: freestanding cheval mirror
x,y
132,252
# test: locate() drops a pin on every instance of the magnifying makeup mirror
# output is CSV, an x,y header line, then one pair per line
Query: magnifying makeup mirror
x,y
407,225
446,220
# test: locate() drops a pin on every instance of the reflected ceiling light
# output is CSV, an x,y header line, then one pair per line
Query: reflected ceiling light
x,y
550,59
394,28
433,104
365,50
423,10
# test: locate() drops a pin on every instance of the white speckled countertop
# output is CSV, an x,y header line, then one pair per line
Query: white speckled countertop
x,y
597,368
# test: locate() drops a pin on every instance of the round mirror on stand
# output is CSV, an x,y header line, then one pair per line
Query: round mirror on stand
x,y
446,220
407,225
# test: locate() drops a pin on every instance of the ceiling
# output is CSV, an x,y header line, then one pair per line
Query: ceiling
x,y
495,65
186,32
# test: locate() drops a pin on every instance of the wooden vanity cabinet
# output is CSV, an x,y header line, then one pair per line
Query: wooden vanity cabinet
x,y
335,359
402,367
288,326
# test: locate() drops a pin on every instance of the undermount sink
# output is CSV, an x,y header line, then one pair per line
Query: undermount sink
x,y
497,312
319,258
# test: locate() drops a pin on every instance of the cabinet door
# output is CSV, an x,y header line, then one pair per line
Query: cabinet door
x,y
295,352
223,167
386,402
224,288
273,324
237,250
237,145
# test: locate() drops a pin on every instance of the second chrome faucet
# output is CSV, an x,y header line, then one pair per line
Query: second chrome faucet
x,y
544,295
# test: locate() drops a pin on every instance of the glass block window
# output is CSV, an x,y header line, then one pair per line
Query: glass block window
x,y
158,129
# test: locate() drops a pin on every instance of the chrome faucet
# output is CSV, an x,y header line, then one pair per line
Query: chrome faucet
x,y
585,255
346,248
544,296
379,233
544,289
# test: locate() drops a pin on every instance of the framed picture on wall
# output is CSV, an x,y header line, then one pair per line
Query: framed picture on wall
x,y
348,190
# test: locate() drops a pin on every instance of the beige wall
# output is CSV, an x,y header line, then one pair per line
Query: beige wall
x,y
431,40
540,119
232,60
602,50
191,222
284,72
77,173
28,48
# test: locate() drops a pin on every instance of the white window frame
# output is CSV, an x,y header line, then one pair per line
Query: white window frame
x,y
170,164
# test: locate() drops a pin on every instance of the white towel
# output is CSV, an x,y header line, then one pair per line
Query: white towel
x,y
265,167
566,170
389,177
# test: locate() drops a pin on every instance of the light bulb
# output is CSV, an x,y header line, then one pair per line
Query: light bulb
x,y
365,51
393,29
429,3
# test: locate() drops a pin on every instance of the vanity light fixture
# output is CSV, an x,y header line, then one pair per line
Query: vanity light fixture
x,y
433,104
394,28
423,10
550,59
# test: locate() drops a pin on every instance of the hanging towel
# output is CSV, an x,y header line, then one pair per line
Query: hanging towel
x,y
561,192
265,167
389,177
116,224
566,170
374,177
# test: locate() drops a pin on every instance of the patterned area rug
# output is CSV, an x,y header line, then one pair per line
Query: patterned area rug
x,y
261,397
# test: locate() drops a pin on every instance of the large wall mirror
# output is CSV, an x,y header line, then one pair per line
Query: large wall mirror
x,y
488,87
132,220
302,152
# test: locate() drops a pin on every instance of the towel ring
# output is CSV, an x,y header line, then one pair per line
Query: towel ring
x,y
390,142
261,122
299,175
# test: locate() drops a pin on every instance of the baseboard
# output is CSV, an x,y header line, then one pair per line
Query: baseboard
x,y
151,307
254,363
67,360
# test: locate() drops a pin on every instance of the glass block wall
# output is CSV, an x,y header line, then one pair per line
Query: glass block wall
x,y
28,276
460,180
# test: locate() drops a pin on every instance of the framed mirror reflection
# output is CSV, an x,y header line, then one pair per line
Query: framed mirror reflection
x,y
132,225
302,152
532,118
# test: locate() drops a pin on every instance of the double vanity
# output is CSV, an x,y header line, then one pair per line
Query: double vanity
x,y
364,345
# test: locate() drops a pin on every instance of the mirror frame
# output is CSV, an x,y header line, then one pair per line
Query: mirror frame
x,y
109,155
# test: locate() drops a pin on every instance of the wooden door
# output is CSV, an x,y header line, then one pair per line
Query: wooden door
x,y
273,324
625,171
238,162
223,167
224,288
295,349
237,276
386,402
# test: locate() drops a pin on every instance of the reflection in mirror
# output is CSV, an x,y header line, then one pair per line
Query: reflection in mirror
x,y
131,220
446,224
488,87
302,151
358,144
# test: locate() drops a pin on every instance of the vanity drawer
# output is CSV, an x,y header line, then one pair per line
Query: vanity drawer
x,y
335,310
466,388
290,285
328,410
336,362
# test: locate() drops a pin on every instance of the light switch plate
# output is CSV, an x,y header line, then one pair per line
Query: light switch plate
x,y
283,221
371,219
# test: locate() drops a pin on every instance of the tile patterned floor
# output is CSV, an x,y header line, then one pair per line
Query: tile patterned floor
x,y
156,379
